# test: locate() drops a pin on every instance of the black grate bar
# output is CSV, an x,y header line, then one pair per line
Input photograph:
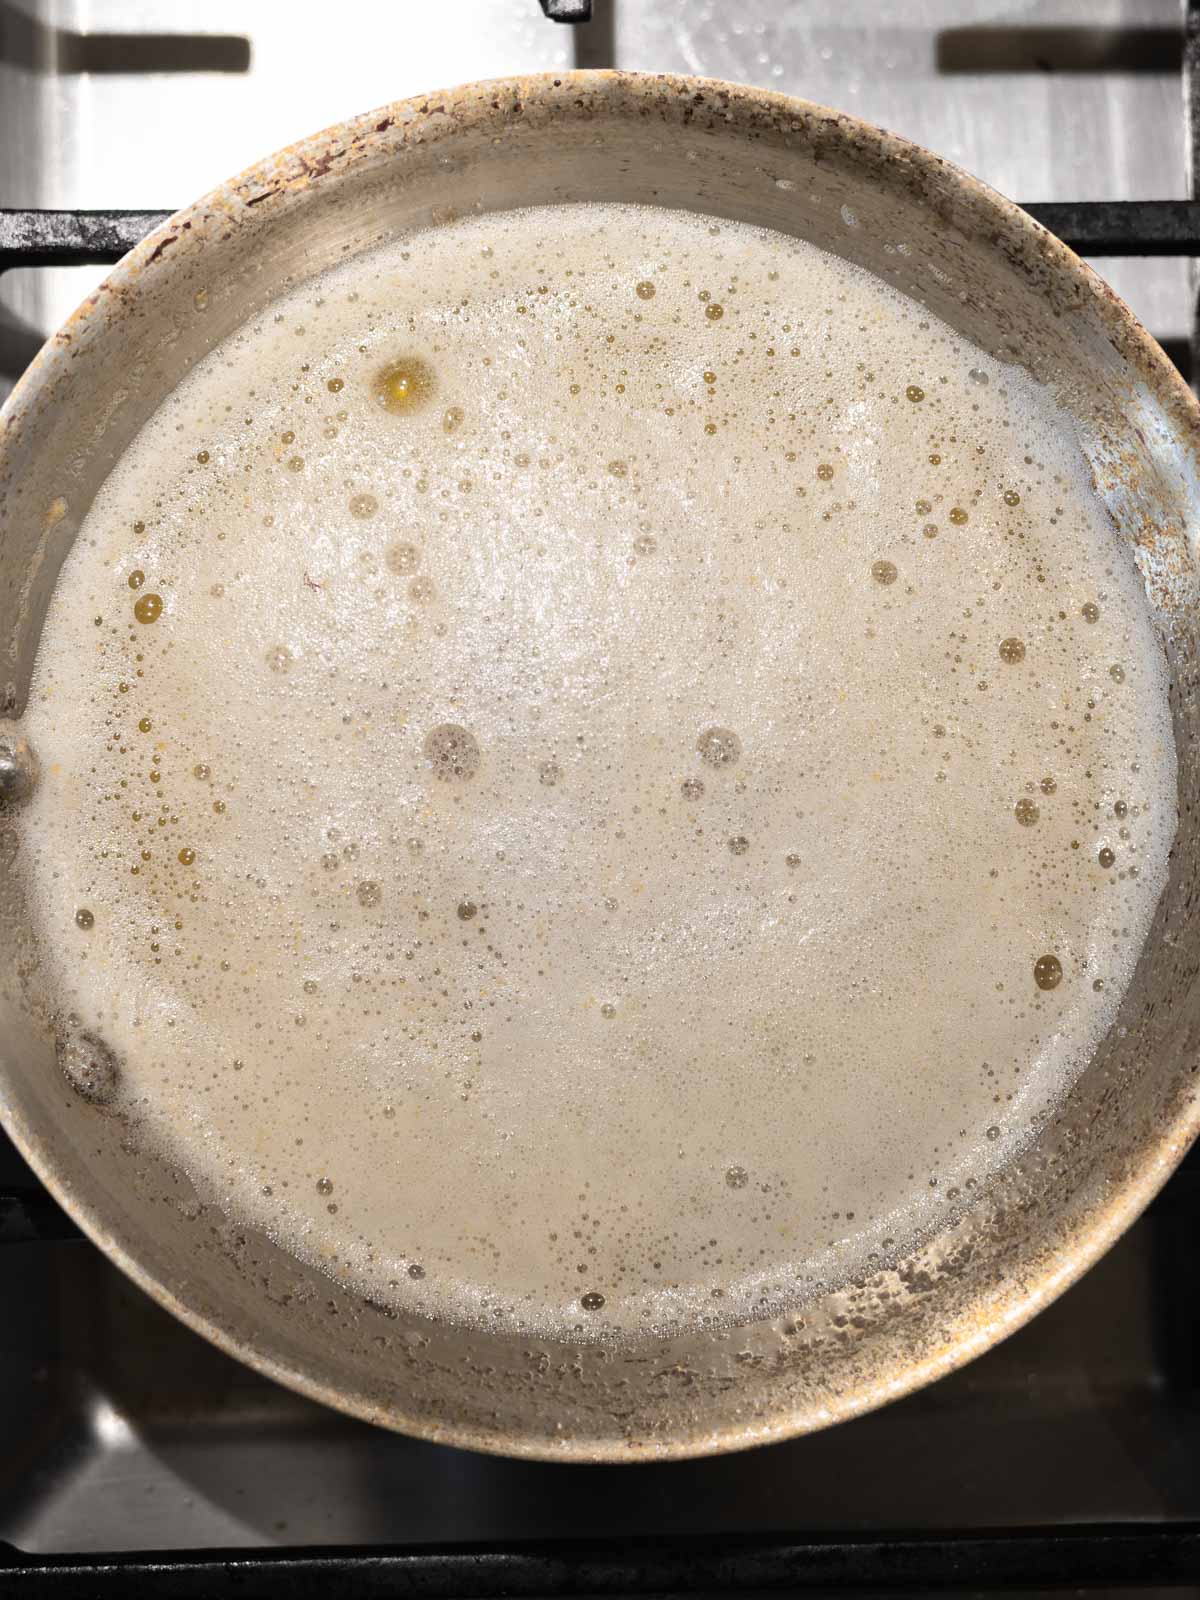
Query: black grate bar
x,y
1092,227
71,238
1111,1556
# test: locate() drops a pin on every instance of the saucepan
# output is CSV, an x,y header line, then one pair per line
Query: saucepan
x,y
976,261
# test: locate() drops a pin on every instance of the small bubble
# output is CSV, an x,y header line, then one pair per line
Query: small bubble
x,y
295,463
324,1185
792,861
466,910
144,725
1116,673
1091,612
335,385
203,458
645,544
402,558
422,590
739,844
884,572
608,1010
1047,972
279,658
363,506
592,1301
148,607
137,578
1119,808
549,772
993,1132
737,1177
914,393
978,375
416,1270
452,418
719,747
187,856
618,469
1097,984
692,788
958,516
202,771
644,290
1106,856
714,312
310,986
200,299
369,893
825,472
84,918
1026,813
1012,651
1048,785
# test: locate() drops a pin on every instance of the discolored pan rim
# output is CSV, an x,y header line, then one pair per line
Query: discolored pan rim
x,y
383,135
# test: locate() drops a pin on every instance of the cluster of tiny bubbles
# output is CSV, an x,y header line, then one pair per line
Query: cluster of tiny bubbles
x,y
88,1064
719,747
452,751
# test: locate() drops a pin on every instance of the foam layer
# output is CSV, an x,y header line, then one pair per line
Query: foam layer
x,y
599,767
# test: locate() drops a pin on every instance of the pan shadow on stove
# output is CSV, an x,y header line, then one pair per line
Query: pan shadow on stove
x,y
131,1432
28,42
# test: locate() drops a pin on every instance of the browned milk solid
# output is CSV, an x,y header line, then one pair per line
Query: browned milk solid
x,y
575,847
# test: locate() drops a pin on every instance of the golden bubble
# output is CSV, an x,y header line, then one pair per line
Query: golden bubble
x,y
1106,857
137,578
1048,785
825,472
404,385
466,910
186,856
914,393
644,290
1091,612
144,725
336,385
295,463
148,607
363,506
710,427
1047,972
203,458
1026,813
714,312
1012,651
884,571
1011,497
709,377
958,516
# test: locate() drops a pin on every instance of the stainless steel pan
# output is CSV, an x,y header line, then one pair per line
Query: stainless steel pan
x,y
981,265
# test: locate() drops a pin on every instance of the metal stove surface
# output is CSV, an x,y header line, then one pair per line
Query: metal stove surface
x,y
121,1429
